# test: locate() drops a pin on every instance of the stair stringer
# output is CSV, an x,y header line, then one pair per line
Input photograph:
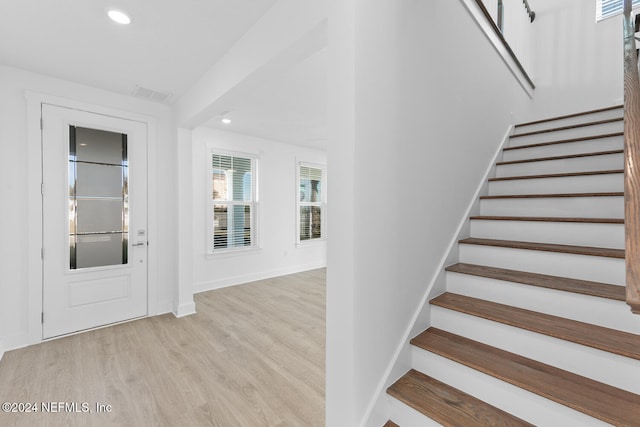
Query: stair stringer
x,y
378,409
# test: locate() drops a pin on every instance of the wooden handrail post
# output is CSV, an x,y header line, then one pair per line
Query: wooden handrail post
x,y
631,161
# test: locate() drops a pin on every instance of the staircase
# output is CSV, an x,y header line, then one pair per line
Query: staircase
x,y
533,328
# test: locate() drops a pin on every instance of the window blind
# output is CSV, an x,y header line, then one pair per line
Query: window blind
x,y
608,8
310,203
234,203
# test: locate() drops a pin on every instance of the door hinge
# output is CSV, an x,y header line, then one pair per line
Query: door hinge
x,y
41,123
42,189
42,317
42,253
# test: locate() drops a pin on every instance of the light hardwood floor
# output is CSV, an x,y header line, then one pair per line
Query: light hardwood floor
x,y
253,355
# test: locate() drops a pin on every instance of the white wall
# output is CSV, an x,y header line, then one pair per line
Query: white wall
x,y
578,61
431,105
417,108
278,253
15,194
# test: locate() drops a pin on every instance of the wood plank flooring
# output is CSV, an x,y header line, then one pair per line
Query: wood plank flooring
x,y
447,405
576,126
564,141
602,290
606,339
563,157
546,247
610,404
253,355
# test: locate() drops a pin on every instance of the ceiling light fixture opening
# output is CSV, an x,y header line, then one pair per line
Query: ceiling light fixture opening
x,y
226,120
119,16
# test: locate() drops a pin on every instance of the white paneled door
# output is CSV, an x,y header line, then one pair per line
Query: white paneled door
x,y
94,220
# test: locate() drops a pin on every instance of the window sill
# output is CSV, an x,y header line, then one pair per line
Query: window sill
x,y
230,253
311,243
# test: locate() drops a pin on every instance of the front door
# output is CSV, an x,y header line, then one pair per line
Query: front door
x,y
94,220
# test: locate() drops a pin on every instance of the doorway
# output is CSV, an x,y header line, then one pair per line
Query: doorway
x,y
94,198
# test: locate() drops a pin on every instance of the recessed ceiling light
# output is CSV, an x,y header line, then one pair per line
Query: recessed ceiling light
x,y
119,17
226,120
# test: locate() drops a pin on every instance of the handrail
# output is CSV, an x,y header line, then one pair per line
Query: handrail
x,y
631,161
498,32
531,13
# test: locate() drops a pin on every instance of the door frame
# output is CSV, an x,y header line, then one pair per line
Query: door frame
x,y
35,212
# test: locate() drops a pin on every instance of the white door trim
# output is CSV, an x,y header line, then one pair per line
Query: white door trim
x,y
35,209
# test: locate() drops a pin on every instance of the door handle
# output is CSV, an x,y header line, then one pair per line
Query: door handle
x,y
140,244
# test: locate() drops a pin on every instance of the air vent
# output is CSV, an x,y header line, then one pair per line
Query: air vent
x,y
152,95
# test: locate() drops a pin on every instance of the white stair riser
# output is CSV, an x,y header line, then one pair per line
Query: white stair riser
x,y
594,268
585,118
558,135
587,146
598,365
584,308
574,164
604,183
405,416
563,233
518,402
565,207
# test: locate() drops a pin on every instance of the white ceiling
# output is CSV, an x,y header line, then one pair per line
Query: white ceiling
x,y
167,48
288,108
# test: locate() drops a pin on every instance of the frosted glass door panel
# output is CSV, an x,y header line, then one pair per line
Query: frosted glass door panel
x,y
99,250
99,216
96,180
99,146
98,198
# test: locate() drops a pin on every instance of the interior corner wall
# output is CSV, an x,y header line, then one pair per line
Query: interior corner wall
x,y
431,106
14,170
277,188
578,62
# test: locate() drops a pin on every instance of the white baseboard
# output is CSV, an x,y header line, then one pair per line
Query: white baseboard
x,y
163,307
1,349
184,310
370,418
17,342
252,277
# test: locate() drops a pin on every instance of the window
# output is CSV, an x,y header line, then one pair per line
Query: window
x,y
608,8
311,202
233,202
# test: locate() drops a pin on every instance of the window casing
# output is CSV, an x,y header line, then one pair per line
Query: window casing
x,y
311,206
232,202
608,8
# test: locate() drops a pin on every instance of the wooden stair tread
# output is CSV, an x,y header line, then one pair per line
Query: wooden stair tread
x,y
563,157
547,247
390,424
565,141
576,126
548,219
602,401
558,175
554,195
448,405
606,339
569,116
585,287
